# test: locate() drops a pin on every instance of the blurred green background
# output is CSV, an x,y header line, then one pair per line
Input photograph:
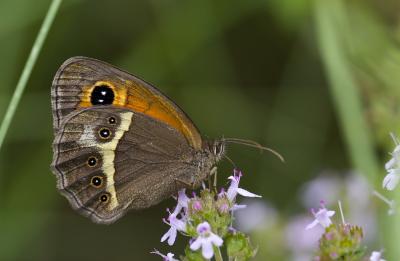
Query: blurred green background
x,y
315,80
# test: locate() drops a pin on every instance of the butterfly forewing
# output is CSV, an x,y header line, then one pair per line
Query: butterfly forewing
x,y
85,82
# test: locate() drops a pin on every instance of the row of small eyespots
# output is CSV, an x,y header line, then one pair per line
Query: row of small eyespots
x,y
96,181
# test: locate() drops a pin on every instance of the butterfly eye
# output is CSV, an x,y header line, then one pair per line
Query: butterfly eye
x,y
104,198
96,181
104,133
102,95
92,161
112,120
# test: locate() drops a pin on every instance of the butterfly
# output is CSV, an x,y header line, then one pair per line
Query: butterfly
x,y
121,144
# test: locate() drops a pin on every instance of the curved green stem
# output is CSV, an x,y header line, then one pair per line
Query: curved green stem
x,y
36,48
218,255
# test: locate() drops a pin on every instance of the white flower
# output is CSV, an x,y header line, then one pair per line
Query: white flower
x,y
176,225
234,189
392,179
322,217
206,240
393,168
376,256
168,257
183,202
394,163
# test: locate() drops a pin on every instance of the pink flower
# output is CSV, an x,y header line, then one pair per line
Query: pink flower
x,y
206,240
197,205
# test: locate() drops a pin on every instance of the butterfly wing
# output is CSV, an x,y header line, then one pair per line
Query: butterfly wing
x,y
108,160
83,82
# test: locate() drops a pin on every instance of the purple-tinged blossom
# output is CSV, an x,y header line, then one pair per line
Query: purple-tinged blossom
x,y
234,189
168,257
197,206
222,193
176,225
334,255
237,207
205,240
190,218
322,217
223,208
183,201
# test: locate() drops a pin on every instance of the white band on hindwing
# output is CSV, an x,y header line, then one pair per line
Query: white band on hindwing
x,y
107,150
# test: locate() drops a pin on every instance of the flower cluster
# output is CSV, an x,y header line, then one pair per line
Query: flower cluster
x,y
207,219
392,178
339,241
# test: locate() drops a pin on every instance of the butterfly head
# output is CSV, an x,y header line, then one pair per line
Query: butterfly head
x,y
216,149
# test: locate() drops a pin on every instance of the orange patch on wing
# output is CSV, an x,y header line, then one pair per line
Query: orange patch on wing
x,y
138,98
158,107
120,94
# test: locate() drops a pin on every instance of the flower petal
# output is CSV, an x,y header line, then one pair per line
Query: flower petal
x,y
170,257
216,240
166,235
391,180
207,249
172,237
312,224
390,164
246,193
330,213
196,244
237,207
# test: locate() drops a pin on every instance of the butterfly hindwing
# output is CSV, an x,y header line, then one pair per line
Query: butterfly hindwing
x,y
109,159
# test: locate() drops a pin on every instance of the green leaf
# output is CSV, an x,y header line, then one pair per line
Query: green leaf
x,y
238,247
192,256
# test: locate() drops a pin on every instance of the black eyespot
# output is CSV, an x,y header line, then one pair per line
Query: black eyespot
x,y
104,198
92,161
112,120
104,133
96,181
102,95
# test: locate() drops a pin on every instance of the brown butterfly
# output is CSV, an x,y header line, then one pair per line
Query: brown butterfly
x,y
120,143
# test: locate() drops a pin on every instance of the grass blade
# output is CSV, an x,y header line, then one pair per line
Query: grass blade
x,y
19,90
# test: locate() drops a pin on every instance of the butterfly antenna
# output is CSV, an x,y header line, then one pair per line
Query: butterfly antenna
x,y
253,144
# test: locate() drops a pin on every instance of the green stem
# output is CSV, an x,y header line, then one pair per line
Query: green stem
x,y
37,46
344,90
218,255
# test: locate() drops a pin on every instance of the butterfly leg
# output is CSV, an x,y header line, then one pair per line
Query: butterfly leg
x,y
214,172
